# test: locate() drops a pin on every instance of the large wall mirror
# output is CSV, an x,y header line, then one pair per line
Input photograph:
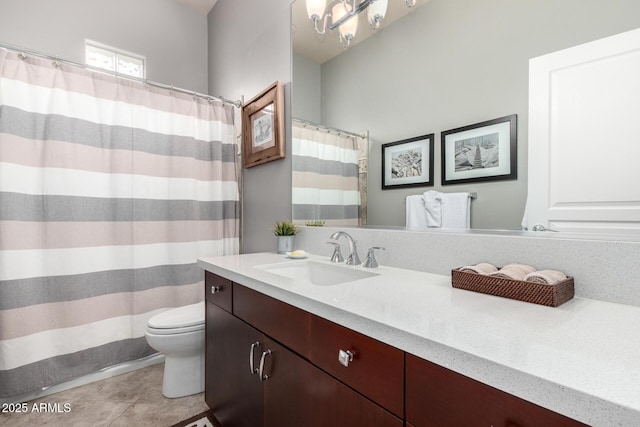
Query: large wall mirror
x,y
444,64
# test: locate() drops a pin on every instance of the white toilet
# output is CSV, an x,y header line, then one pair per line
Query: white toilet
x,y
179,334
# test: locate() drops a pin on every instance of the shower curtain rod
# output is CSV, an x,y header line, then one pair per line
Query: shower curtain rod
x,y
329,129
119,75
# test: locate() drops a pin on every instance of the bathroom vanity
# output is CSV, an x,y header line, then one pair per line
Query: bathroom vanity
x,y
342,345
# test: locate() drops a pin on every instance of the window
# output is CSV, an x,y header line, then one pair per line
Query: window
x,y
112,59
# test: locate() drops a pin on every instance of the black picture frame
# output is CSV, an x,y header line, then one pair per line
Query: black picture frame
x,y
416,171
495,157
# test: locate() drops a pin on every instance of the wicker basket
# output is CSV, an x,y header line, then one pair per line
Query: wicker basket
x,y
537,293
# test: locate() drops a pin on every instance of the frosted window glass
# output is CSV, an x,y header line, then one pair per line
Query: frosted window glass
x,y
101,58
112,59
130,66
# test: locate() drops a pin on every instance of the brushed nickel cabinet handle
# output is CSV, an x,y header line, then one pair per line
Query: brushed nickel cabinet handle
x,y
263,376
216,289
345,357
251,353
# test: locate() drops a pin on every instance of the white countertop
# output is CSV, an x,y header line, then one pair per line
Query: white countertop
x,y
581,359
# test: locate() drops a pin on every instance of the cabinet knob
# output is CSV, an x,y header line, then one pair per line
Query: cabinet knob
x,y
251,366
263,376
216,289
345,357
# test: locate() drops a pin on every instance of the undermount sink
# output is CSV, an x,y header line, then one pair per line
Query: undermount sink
x,y
316,273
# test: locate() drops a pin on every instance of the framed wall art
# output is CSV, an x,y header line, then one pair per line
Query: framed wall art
x,y
486,151
408,163
263,138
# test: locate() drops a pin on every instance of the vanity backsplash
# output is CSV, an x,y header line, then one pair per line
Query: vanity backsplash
x,y
607,270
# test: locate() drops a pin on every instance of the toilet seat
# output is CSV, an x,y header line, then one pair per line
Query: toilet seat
x,y
173,331
189,318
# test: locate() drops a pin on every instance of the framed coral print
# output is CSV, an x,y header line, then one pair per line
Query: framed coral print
x,y
263,127
408,163
486,151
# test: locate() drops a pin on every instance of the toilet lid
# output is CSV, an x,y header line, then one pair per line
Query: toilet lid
x,y
181,317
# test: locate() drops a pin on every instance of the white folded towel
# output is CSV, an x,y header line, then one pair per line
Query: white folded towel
x,y
456,210
547,277
416,216
433,206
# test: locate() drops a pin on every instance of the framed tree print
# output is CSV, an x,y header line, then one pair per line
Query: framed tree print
x,y
408,163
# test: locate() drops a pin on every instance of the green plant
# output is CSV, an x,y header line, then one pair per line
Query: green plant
x,y
285,228
315,223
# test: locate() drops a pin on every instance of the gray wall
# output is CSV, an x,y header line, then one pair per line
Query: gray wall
x,y
449,64
250,48
306,94
172,36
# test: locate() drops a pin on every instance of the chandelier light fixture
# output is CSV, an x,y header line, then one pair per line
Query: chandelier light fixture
x,y
344,16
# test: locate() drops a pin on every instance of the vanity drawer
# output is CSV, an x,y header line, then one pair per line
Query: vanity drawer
x,y
218,290
284,323
376,371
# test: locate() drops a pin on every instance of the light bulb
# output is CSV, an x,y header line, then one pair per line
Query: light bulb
x,y
348,28
376,12
316,8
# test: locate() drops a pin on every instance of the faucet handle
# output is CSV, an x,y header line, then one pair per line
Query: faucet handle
x,y
371,262
337,255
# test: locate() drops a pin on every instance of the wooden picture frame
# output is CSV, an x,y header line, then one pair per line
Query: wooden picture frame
x,y
408,163
263,134
486,151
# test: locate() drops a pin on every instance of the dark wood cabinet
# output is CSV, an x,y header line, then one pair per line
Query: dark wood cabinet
x,y
284,388
438,397
273,365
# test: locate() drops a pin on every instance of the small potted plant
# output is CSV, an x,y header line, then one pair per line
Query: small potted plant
x,y
285,232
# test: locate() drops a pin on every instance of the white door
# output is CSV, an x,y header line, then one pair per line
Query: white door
x,y
584,137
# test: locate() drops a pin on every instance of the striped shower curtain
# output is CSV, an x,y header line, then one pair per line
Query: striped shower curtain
x,y
109,192
326,176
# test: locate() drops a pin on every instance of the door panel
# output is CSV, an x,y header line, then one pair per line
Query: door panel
x,y
583,137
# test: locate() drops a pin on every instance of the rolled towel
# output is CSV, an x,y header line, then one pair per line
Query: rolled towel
x,y
524,267
500,275
513,271
480,268
547,277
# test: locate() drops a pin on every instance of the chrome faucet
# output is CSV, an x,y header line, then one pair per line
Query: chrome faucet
x,y
353,258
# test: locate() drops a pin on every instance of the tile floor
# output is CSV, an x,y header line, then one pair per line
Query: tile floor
x,y
131,399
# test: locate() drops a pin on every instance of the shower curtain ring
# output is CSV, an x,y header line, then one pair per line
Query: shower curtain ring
x,y
22,56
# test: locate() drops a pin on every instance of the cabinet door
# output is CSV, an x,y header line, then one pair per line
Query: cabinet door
x,y
231,390
299,394
439,397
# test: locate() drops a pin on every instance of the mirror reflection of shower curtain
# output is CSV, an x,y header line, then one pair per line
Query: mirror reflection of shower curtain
x,y
329,176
